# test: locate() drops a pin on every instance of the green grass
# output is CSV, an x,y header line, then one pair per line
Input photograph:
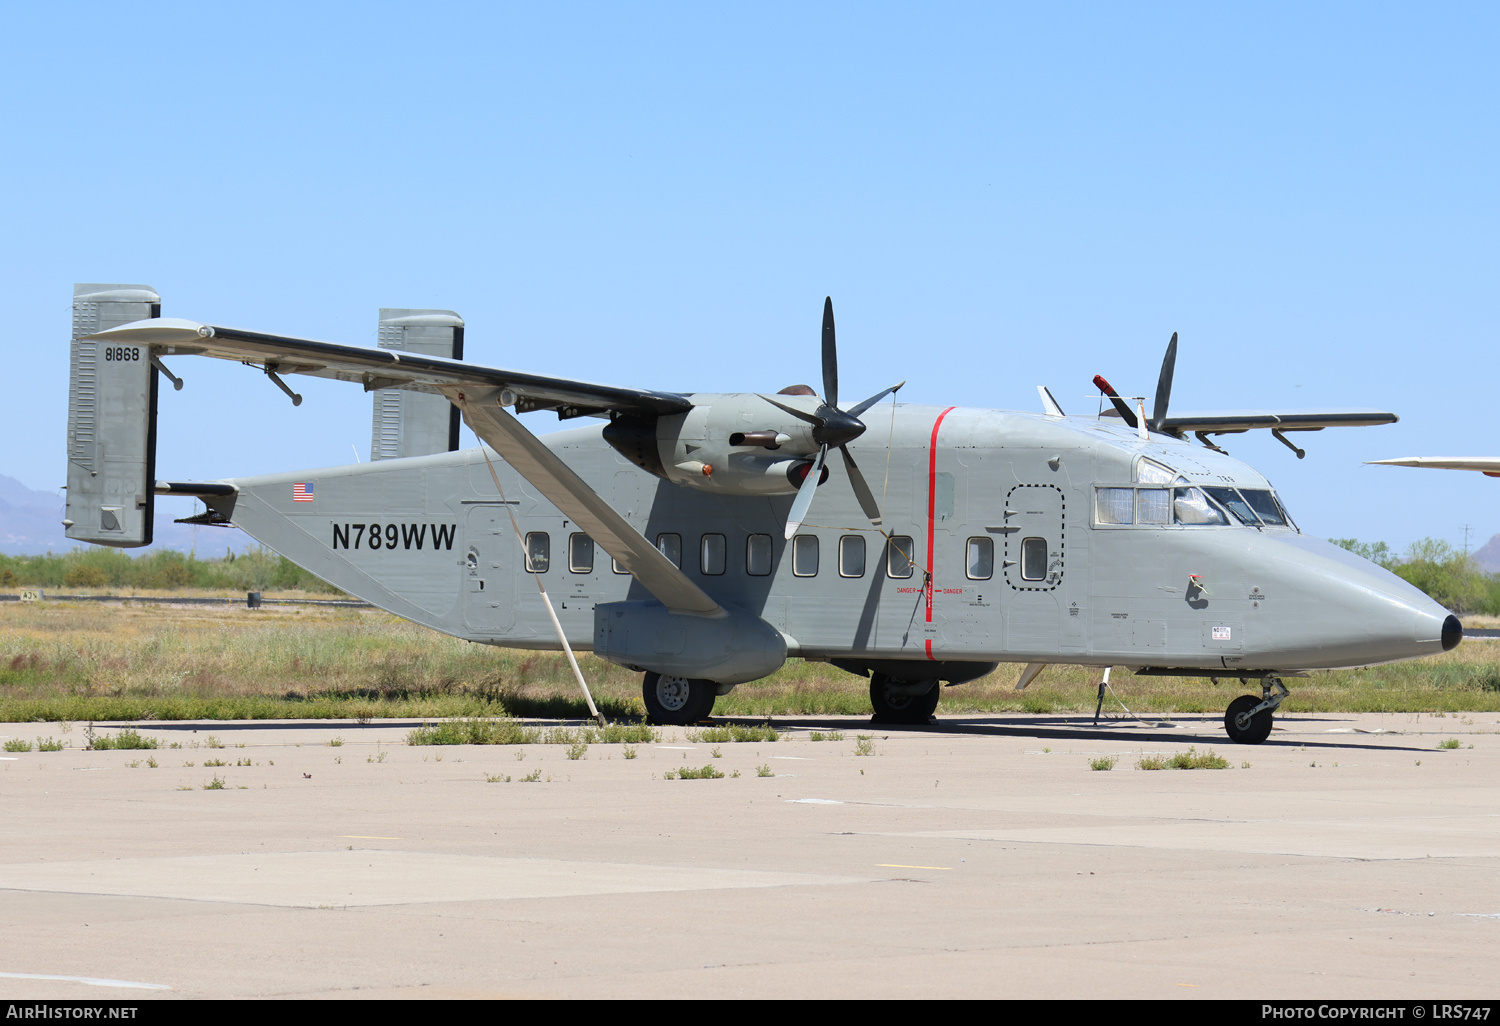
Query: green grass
x,y
1102,763
139,663
1452,742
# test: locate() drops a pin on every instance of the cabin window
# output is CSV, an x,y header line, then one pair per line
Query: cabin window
x,y
1153,506
1190,506
580,554
852,556
899,558
1114,505
671,547
805,555
980,557
616,567
1034,559
711,554
758,555
538,552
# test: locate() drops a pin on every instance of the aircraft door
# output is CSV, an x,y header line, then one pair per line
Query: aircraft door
x,y
1034,563
487,569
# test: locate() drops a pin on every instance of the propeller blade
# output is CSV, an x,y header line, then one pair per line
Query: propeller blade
x,y
861,488
1164,385
810,418
862,407
830,356
1121,406
805,495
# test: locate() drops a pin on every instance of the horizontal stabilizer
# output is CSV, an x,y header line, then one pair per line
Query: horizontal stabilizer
x,y
384,368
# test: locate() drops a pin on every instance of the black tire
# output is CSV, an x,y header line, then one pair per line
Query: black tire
x,y
894,707
1244,729
677,701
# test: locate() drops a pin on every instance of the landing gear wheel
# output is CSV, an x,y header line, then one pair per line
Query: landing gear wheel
x,y
1244,728
895,702
677,701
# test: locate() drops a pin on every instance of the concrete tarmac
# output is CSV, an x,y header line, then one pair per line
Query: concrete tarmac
x,y
1350,856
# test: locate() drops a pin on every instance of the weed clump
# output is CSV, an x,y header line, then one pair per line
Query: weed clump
x,y
1102,763
126,738
1452,742
16,744
688,773
474,732
1190,759
734,732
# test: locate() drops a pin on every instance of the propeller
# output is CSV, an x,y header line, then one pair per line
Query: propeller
x,y
832,427
1163,392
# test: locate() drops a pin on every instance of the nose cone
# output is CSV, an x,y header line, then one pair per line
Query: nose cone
x,y
1351,612
1453,633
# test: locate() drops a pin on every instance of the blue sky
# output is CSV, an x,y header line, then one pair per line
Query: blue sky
x,y
660,195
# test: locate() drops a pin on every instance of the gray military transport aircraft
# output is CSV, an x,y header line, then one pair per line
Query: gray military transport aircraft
x,y
682,539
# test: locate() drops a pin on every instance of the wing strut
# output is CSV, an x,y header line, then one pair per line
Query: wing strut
x,y
562,635
571,494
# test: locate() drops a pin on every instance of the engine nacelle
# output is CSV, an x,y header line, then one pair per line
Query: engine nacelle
x,y
695,449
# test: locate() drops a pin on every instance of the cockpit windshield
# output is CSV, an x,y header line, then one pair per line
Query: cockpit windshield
x,y
1253,506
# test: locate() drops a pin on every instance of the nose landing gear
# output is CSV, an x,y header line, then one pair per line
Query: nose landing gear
x,y
903,701
1248,720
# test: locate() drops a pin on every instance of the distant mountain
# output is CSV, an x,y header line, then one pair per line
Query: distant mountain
x,y
31,524
1489,556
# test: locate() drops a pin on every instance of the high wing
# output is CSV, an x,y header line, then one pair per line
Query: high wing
x,y
383,368
480,393
1234,421
1487,465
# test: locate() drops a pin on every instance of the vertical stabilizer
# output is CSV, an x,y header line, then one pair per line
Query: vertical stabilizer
x,y
111,420
415,423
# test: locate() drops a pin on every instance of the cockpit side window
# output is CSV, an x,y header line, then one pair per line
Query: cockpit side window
x,y
1115,505
1151,472
1191,506
1152,506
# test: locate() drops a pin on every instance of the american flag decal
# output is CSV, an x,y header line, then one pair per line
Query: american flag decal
x,y
302,492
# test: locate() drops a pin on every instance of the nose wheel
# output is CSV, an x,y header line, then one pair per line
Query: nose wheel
x,y
677,701
1247,721
903,701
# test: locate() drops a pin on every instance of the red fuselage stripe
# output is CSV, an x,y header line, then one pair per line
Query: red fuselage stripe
x,y
932,510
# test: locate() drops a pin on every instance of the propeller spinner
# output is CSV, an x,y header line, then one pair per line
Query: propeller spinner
x,y
832,427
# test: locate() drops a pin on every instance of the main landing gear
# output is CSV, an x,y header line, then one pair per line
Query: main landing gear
x,y
903,701
1248,719
677,701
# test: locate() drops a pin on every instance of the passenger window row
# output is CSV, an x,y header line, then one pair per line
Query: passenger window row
x,y
713,555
